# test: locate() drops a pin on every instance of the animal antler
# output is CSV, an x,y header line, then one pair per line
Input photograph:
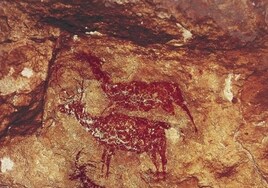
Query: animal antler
x,y
81,90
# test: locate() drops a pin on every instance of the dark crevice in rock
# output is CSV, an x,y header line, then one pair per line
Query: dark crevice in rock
x,y
7,41
26,119
121,21
117,21
114,26
5,20
42,40
56,50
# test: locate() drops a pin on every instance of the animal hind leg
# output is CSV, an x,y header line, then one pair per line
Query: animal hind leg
x,y
163,157
110,153
162,153
154,160
103,158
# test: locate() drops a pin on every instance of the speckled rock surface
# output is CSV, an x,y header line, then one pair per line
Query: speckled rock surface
x,y
80,78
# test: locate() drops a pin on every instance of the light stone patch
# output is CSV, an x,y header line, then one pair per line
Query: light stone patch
x,y
9,85
228,88
75,38
185,33
6,164
27,72
163,15
94,33
173,135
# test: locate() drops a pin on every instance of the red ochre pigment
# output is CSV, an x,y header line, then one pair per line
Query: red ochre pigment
x,y
127,133
137,95
80,173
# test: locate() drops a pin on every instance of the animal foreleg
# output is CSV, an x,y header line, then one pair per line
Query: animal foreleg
x,y
103,159
110,153
162,153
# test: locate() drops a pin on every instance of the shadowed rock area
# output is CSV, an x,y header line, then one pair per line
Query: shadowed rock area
x,y
126,93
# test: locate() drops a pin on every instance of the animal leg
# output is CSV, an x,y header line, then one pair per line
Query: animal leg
x,y
110,153
154,160
162,153
103,158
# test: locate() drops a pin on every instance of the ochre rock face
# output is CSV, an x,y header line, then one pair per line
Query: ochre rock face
x,y
125,93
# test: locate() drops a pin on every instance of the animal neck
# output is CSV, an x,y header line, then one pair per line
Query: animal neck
x,y
84,118
99,74
95,65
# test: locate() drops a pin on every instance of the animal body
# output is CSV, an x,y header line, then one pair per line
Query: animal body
x,y
122,132
137,95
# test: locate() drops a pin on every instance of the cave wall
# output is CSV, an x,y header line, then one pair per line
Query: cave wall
x,y
215,52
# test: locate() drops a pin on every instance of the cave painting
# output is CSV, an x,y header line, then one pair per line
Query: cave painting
x,y
80,173
117,131
137,95
122,132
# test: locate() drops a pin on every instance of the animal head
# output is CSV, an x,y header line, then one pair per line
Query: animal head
x,y
72,108
91,59
96,66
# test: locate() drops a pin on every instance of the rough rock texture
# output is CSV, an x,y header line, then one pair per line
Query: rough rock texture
x,y
68,65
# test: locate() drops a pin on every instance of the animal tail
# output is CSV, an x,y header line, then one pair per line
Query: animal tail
x,y
185,108
179,100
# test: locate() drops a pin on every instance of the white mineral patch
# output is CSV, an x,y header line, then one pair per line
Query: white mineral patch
x,y
261,124
6,164
27,72
163,15
173,135
75,38
228,88
121,2
94,33
185,33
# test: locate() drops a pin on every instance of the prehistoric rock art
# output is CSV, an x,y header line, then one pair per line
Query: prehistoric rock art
x,y
119,131
138,95
150,50
80,173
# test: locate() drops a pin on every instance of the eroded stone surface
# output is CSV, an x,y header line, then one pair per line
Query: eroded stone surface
x,y
214,51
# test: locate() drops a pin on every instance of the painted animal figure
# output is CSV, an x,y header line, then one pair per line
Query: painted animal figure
x,y
80,173
137,95
121,132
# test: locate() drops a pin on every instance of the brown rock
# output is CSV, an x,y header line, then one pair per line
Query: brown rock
x,y
150,71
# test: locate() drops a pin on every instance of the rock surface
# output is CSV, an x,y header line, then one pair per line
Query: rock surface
x,y
215,52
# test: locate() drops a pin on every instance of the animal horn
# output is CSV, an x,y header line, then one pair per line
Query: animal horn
x,y
185,108
81,89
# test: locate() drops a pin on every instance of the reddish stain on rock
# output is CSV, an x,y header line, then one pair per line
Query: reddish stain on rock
x,y
138,95
227,172
80,174
119,131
